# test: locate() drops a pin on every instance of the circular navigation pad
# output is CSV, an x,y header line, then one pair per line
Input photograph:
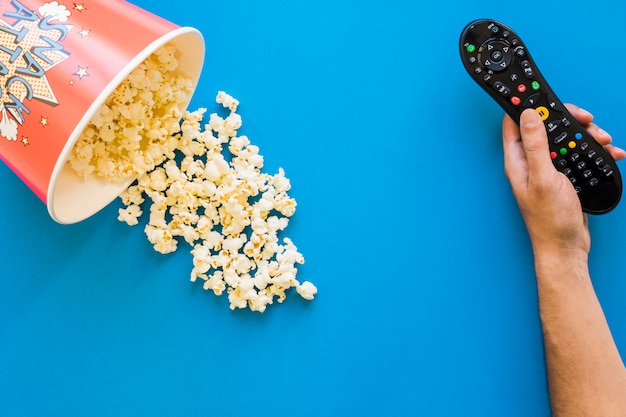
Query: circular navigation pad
x,y
496,55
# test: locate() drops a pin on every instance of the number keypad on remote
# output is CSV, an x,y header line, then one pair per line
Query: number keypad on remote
x,y
498,60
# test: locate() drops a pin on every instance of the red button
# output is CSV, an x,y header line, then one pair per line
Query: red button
x,y
521,88
515,100
553,155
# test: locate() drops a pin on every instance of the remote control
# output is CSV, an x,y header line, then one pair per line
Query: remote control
x,y
497,59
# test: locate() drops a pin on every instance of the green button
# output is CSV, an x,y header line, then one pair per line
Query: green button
x,y
471,48
563,151
535,85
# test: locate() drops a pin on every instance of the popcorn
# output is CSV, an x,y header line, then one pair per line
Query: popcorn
x,y
227,101
161,238
131,133
211,194
132,195
203,184
130,214
307,290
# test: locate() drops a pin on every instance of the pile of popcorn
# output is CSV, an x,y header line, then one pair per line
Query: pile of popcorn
x,y
203,185
132,132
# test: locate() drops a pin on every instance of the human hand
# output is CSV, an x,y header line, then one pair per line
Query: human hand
x,y
548,202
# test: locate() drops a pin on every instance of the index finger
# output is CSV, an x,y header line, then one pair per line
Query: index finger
x,y
515,165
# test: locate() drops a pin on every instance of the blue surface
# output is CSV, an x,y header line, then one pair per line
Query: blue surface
x,y
426,304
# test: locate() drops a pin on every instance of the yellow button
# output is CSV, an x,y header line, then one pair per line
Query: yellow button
x,y
543,112
572,145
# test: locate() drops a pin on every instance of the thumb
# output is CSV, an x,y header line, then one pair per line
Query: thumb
x,y
535,142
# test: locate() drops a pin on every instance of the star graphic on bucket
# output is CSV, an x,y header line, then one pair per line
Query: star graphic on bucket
x,y
29,47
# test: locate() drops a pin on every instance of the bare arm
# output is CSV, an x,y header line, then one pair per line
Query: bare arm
x,y
586,376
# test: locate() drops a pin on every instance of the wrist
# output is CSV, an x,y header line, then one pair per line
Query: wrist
x,y
555,262
564,247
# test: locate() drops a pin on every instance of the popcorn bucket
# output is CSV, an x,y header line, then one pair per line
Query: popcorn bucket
x,y
59,62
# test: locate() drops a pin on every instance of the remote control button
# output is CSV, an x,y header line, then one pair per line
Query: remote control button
x,y
496,55
487,78
515,101
578,190
535,85
520,52
478,70
578,136
470,48
560,138
554,104
592,154
502,89
573,180
496,66
521,88
563,151
543,112
514,78
561,163
532,100
593,182
584,146
574,158
581,165
553,125
607,171
587,174
599,161
472,60
567,171
566,122
515,42
553,155
572,145
528,71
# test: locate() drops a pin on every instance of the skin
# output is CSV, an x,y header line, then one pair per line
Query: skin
x,y
586,375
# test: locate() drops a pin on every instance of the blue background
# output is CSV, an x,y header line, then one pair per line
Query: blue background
x,y
427,300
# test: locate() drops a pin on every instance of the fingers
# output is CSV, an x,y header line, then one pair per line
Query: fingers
x,y
530,157
582,115
526,153
515,166
585,118
510,131
535,142
615,152
600,135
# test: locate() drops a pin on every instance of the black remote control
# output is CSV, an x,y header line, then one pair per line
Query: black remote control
x,y
497,59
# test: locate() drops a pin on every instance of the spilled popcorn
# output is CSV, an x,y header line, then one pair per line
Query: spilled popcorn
x,y
203,184
215,198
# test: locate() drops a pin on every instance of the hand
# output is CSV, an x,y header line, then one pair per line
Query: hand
x,y
548,202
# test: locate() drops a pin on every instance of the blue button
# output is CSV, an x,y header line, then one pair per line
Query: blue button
x,y
578,136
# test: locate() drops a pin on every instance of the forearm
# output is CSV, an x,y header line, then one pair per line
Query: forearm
x,y
586,375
